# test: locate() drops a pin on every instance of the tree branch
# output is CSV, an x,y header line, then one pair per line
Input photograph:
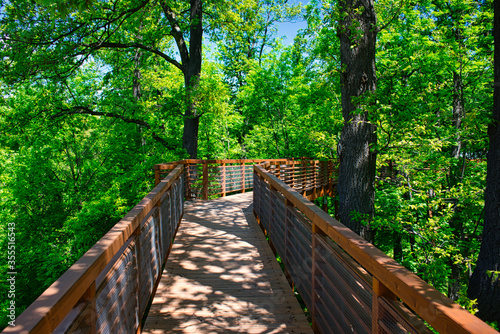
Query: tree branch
x,y
176,31
398,11
137,45
80,110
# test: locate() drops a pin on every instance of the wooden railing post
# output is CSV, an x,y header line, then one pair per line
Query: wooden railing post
x,y
188,180
223,179
243,177
91,318
379,290
315,179
157,177
205,180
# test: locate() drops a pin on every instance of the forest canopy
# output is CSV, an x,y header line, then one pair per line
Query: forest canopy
x,y
94,93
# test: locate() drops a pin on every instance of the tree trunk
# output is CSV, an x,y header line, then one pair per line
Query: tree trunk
x,y
192,75
190,134
136,86
484,284
458,112
358,33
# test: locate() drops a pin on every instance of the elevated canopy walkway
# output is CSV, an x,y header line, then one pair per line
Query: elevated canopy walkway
x,y
222,276
215,273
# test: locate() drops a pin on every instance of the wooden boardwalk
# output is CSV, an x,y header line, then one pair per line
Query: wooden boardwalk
x,y
222,277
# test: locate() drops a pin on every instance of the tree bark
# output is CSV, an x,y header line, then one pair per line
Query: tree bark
x,y
458,112
192,75
358,33
484,284
191,69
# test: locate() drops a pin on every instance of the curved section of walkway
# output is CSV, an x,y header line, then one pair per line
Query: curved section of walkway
x,y
222,277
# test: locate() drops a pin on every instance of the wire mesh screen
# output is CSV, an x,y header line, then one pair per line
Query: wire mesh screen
x,y
84,322
166,222
344,298
277,225
262,202
114,309
149,263
176,204
233,178
117,302
195,180
390,320
298,258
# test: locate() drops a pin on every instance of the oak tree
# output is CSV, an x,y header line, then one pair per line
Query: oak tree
x,y
484,284
357,31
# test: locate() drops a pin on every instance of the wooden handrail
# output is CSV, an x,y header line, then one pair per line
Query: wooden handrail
x,y
439,311
48,310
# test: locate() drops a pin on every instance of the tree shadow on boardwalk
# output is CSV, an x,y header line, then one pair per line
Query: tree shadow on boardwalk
x,y
222,277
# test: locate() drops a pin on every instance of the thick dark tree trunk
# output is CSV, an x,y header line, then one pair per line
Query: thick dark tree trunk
x,y
190,134
192,74
358,33
191,68
484,284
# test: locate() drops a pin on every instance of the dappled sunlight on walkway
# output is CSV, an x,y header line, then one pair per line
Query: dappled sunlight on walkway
x,y
222,276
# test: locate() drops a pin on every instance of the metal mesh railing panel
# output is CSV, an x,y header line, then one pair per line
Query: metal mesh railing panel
x,y
116,299
277,221
166,223
149,262
177,203
195,180
262,194
344,298
84,323
233,178
298,259
391,322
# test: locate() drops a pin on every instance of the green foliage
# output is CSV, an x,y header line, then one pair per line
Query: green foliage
x,y
81,130
66,180
287,112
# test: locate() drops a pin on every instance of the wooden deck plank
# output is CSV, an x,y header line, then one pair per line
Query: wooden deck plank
x,y
222,277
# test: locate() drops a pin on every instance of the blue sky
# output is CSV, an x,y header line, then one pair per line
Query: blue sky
x,y
289,29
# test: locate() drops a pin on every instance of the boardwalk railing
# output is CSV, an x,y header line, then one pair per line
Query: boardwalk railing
x,y
109,288
205,178
348,285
